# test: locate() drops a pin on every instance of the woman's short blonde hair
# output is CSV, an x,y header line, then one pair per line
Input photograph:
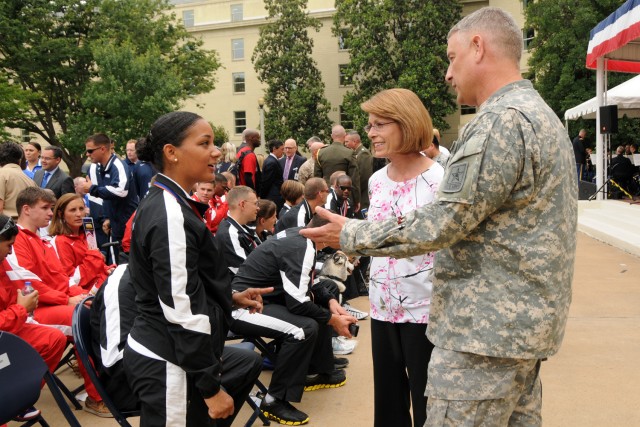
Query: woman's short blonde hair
x,y
405,108
228,151
58,225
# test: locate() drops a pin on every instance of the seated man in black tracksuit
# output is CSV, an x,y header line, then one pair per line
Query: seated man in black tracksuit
x,y
234,238
299,317
114,304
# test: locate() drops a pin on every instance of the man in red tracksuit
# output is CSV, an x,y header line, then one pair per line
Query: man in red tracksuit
x,y
31,253
211,193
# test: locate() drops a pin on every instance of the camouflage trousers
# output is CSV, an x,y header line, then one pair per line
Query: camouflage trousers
x,y
467,390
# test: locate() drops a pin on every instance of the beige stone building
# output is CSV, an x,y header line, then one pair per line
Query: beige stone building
x,y
231,27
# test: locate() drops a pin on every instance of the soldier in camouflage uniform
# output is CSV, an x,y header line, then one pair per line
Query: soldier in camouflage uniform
x,y
505,223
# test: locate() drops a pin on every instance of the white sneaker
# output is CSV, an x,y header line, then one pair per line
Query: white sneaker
x,y
341,345
359,315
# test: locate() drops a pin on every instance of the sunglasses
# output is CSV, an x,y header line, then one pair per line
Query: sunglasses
x,y
8,226
345,187
91,150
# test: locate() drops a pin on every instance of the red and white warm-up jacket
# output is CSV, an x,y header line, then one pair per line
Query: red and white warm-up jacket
x,y
85,267
218,209
38,256
12,315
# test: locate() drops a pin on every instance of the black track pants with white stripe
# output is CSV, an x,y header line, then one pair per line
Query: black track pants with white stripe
x,y
305,346
168,396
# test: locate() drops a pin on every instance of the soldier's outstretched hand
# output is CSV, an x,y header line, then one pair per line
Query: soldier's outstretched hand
x,y
328,234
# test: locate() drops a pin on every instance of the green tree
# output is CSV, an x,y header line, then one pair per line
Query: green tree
x,y
294,98
558,57
12,99
397,44
93,66
220,135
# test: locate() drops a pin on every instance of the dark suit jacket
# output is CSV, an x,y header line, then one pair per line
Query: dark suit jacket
x,y
296,162
622,168
271,181
60,183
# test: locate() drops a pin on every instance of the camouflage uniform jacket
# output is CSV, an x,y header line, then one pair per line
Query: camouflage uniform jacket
x,y
306,171
505,223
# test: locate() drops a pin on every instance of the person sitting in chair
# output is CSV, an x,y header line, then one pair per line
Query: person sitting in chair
x,y
299,314
16,303
622,171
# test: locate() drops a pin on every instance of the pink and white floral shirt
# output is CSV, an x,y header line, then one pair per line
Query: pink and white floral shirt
x,y
400,289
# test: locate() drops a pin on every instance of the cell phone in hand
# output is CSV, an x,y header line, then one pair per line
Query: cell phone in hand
x,y
353,329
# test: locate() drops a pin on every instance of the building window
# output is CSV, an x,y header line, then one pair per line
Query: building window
x,y
345,119
345,80
343,39
238,82
188,18
527,37
236,12
465,109
25,136
237,49
240,121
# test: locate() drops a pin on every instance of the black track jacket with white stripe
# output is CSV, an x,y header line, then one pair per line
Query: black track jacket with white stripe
x,y
182,284
112,315
285,261
235,242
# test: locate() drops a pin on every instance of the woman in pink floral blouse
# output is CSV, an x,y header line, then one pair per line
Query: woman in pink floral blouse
x,y
400,289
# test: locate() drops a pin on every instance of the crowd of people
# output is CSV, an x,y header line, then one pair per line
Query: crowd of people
x,y
184,244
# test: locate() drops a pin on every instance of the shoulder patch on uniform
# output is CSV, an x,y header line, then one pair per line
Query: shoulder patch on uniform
x,y
454,178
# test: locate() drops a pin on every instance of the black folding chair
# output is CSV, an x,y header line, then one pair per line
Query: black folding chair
x,y
22,370
267,350
81,328
71,394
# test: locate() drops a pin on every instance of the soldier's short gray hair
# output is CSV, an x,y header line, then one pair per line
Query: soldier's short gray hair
x,y
500,25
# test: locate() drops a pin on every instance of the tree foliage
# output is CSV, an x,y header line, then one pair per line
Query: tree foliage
x,y
12,99
220,134
397,44
93,66
558,57
295,105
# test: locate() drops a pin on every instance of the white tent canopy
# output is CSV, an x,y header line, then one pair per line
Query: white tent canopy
x,y
626,96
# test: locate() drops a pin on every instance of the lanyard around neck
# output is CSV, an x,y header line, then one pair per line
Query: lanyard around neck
x,y
179,199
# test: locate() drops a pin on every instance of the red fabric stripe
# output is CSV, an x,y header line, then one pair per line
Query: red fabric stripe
x,y
622,38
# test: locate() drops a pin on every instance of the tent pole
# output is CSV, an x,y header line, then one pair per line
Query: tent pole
x,y
600,150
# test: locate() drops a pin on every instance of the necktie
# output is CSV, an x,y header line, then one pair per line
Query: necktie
x,y
287,166
344,208
45,179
